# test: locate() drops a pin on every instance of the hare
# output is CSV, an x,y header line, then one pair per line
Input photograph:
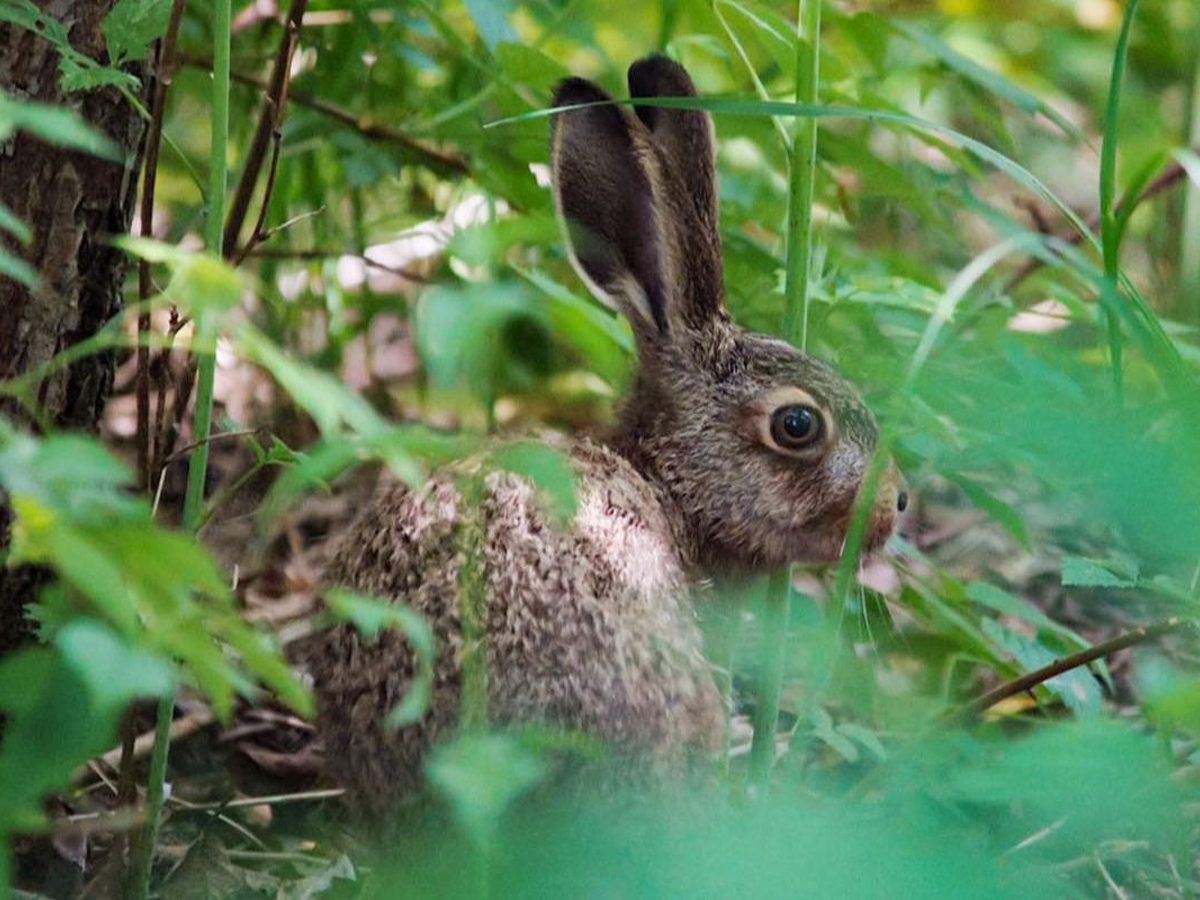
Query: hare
x,y
734,454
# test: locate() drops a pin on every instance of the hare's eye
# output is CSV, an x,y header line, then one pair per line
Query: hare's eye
x,y
796,426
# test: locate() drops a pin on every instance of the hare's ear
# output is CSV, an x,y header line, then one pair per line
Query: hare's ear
x,y
606,197
684,135
687,149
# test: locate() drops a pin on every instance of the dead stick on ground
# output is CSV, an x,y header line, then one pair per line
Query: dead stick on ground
x,y
1074,661
185,725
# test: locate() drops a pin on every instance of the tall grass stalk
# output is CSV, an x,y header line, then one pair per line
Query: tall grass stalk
x,y
777,610
1110,232
1189,230
193,503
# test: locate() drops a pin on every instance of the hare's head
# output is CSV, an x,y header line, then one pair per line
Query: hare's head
x,y
761,449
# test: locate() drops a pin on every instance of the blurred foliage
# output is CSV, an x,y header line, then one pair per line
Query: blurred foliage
x,y
395,200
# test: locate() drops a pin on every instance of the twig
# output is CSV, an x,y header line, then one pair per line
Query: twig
x,y
269,118
213,438
272,800
1166,179
186,725
1074,661
439,160
165,70
318,254
127,839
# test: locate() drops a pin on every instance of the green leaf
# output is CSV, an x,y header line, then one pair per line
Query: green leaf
x,y
112,670
1080,572
18,270
54,125
132,25
1003,602
991,81
1077,688
528,65
371,616
480,775
204,285
549,469
14,226
491,20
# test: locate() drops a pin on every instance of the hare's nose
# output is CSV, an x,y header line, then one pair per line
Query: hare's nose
x,y
902,501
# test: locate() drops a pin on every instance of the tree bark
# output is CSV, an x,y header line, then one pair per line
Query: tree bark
x,y
73,204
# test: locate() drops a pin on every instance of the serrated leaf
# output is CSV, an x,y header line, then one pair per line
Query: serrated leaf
x,y
1080,572
1077,688
132,25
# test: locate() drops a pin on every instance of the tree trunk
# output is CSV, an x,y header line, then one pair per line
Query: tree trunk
x,y
73,204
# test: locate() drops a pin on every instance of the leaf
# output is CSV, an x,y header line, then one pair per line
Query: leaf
x,y
1003,602
480,775
548,468
112,670
528,65
204,285
991,81
1080,572
371,616
18,270
54,125
1077,688
132,25
491,20
330,403
14,226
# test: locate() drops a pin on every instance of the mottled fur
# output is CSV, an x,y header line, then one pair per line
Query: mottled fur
x,y
590,626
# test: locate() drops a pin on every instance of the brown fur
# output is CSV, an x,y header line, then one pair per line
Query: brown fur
x,y
590,626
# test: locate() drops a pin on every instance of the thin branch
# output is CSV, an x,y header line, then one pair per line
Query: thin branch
x,y
1170,176
440,161
212,439
319,254
165,71
269,118
1074,661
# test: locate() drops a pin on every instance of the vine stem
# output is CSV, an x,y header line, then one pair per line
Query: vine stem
x,y
198,465
803,171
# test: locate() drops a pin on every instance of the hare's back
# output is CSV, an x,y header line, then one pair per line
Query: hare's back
x,y
588,625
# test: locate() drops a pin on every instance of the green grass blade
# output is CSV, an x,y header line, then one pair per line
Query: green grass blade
x,y
992,82
1110,227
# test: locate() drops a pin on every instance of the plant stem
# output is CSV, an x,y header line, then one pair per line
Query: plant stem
x,y
139,878
1110,239
218,179
777,609
803,177
776,612
1189,228
1031,680
198,464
